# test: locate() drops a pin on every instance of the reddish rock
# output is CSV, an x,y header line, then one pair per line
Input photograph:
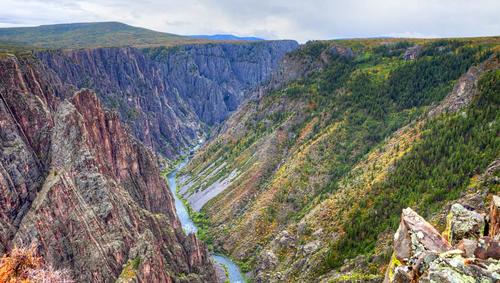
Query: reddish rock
x,y
487,248
75,183
415,235
494,230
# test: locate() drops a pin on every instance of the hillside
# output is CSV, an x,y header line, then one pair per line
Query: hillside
x,y
87,35
319,163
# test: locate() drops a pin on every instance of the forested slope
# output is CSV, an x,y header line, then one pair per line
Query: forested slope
x,y
309,177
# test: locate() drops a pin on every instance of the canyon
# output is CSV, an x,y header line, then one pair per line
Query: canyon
x,y
307,163
169,96
80,132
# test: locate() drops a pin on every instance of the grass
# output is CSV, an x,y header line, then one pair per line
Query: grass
x,y
90,35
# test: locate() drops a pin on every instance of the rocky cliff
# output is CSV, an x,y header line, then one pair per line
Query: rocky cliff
x,y
169,96
75,183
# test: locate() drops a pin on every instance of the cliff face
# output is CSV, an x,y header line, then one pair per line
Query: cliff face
x,y
78,185
168,95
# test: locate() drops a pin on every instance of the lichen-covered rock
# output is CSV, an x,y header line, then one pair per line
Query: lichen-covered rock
x,y
473,259
414,242
453,268
464,223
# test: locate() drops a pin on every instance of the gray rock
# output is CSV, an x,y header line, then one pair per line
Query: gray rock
x,y
412,53
454,268
464,224
167,99
284,239
311,247
402,275
468,246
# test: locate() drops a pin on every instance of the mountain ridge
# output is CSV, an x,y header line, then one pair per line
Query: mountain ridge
x,y
227,37
91,35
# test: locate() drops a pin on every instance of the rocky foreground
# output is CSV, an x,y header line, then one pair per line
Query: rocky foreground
x,y
467,251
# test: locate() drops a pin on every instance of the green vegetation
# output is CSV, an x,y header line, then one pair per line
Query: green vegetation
x,y
89,35
428,79
369,108
302,147
453,149
130,269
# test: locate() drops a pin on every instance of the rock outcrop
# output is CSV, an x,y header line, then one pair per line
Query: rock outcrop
x,y
169,95
421,254
412,53
83,190
495,217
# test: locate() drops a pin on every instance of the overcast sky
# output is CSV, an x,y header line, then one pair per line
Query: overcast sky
x,y
284,19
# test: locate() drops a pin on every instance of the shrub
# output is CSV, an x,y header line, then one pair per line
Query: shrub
x,y
24,265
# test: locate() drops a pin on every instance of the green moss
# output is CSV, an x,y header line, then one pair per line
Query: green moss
x,y
130,269
356,277
392,266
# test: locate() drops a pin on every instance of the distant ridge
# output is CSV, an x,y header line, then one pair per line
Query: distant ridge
x,y
227,37
88,35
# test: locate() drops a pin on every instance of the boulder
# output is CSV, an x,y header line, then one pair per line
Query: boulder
x,y
415,235
415,243
464,224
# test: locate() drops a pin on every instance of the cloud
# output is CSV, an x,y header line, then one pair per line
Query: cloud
x,y
301,20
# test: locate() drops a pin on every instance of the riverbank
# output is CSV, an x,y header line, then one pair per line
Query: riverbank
x,y
186,216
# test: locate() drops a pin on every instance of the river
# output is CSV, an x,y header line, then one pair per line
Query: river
x,y
235,275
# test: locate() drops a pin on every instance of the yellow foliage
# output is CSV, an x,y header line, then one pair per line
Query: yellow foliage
x,y
23,265
14,266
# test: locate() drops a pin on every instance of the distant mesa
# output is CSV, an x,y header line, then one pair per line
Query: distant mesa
x,y
90,35
226,37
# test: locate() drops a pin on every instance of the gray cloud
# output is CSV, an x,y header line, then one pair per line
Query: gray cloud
x,y
301,20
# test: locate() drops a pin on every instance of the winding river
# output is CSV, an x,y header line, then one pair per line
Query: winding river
x,y
235,275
